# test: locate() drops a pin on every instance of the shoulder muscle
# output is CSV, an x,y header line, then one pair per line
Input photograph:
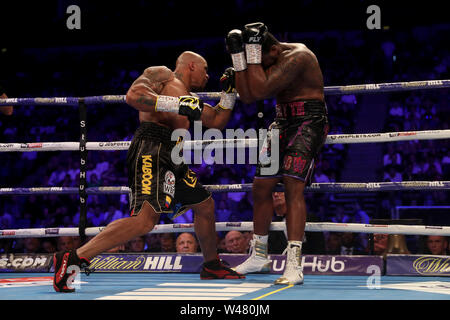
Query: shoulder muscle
x,y
154,78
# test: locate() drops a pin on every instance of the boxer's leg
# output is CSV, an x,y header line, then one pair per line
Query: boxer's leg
x,y
191,194
262,218
295,225
263,204
115,233
296,208
120,231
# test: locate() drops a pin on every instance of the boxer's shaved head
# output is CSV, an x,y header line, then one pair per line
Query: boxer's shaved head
x,y
192,68
188,56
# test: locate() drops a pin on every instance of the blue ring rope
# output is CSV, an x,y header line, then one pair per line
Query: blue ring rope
x,y
332,90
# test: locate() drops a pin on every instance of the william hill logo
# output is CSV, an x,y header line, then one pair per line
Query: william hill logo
x,y
100,263
432,265
136,263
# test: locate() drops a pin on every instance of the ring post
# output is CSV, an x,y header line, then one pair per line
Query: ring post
x,y
83,167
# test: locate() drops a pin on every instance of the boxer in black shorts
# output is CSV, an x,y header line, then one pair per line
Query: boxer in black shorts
x,y
153,177
266,68
165,103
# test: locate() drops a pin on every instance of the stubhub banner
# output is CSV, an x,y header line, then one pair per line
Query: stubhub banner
x,y
192,263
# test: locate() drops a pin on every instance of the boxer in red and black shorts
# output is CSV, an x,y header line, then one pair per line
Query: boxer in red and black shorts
x,y
303,128
266,68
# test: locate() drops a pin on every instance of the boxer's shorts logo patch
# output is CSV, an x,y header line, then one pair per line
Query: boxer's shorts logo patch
x,y
191,102
169,178
169,183
147,174
168,202
297,163
190,179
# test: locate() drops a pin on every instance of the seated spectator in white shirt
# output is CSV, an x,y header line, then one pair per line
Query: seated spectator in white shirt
x,y
6,221
340,216
95,217
320,176
57,176
94,181
396,109
446,158
360,215
102,165
434,165
73,169
112,214
392,157
392,175
223,213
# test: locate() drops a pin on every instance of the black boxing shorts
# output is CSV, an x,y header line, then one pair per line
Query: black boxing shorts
x,y
153,177
303,127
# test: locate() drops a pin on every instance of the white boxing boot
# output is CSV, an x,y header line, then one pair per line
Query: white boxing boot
x,y
293,271
258,260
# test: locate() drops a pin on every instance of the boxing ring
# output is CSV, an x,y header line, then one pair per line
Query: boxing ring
x,y
160,286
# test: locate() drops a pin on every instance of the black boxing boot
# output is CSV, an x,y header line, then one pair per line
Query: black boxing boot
x,y
61,263
215,269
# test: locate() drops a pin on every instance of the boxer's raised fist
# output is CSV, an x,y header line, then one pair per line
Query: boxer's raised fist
x,y
254,33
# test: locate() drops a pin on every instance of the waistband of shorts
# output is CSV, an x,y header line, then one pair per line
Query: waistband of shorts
x,y
155,132
300,108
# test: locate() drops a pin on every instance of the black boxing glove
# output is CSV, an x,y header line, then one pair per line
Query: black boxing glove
x,y
189,106
228,94
227,81
235,46
253,36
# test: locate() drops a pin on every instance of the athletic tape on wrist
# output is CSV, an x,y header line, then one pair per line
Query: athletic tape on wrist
x,y
254,53
167,104
227,100
239,61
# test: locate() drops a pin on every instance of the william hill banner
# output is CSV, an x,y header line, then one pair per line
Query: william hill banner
x,y
419,265
146,263
192,263
312,264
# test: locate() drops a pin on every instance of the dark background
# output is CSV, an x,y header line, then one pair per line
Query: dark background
x,y
42,23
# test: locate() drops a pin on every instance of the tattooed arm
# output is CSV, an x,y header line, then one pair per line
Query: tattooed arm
x,y
278,77
144,91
